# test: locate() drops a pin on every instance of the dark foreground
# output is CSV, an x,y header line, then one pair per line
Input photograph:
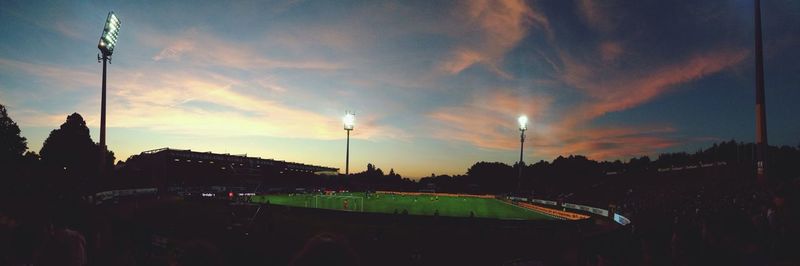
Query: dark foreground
x,y
172,231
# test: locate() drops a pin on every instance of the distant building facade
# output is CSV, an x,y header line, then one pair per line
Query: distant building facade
x,y
173,167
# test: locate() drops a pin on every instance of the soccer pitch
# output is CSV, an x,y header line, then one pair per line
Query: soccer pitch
x,y
453,206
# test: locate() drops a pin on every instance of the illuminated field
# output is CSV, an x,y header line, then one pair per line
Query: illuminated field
x,y
453,206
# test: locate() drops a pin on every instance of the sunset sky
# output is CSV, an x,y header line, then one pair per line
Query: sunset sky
x,y
436,86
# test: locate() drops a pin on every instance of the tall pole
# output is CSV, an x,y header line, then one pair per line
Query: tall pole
x,y
347,156
761,112
348,120
521,146
103,119
106,44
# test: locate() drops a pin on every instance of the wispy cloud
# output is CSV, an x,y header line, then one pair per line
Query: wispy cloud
x,y
500,26
596,14
610,78
487,120
211,104
610,51
480,122
615,89
59,77
202,49
194,102
605,143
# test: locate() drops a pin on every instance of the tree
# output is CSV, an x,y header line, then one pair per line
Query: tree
x,y
71,151
12,145
493,177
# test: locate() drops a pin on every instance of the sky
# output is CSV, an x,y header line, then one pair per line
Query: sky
x,y
435,85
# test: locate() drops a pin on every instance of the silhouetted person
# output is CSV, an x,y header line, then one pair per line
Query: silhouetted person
x,y
25,242
326,249
63,247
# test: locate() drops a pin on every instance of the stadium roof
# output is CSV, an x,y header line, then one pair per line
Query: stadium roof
x,y
239,158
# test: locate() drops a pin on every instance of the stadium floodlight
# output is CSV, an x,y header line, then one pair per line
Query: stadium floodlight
x,y
110,33
108,40
523,125
762,146
349,121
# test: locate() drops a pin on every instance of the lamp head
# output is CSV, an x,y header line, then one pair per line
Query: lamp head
x,y
110,32
523,122
349,121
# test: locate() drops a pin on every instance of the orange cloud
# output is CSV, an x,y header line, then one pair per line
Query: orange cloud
x,y
614,90
500,25
67,78
489,121
460,60
595,14
171,105
609,89
608,143
202,49
193,102
480,122
610,51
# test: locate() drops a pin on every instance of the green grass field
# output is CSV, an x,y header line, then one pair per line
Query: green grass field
x,y
415,205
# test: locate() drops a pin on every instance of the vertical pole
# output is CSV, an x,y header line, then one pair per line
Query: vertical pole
x,y
347,156
521,146
103,120
761,113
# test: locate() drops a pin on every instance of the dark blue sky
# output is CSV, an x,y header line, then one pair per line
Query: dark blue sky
x,y
435,85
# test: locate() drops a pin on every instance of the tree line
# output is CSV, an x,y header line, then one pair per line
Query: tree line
x,y
69,161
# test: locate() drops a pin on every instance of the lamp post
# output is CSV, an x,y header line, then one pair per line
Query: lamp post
x,y
106,45
348,120
523,125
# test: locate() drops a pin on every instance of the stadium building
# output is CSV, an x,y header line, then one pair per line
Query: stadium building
x,y
167,167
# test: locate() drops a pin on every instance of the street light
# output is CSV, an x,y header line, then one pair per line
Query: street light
x,y
107,43
523,125
349,121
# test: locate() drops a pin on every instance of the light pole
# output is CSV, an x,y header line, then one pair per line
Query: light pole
x,y
106,45
761,106
349,120
523,125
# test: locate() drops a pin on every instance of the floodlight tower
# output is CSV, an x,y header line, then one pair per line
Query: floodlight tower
x,y
761,109
349,121
523,125
106,45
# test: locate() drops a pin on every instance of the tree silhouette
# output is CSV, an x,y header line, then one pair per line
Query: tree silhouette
x,y
492,177
12,145
69,151
12,163
373,171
